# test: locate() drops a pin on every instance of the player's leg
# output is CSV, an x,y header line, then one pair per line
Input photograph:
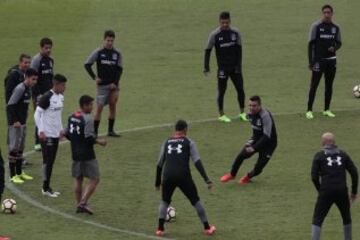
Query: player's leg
x,y
13,146
90,170
316,75
343,204
101,100
263,159
49,150
187,186
20,160
236,165
322,207
237,79
222,85
167,190
329,74
78,189
113,98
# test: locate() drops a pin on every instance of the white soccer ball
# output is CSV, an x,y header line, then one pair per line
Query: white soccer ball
x,y
170,214
8,206
356,91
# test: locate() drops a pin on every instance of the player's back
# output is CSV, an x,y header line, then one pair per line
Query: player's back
x,y
177,156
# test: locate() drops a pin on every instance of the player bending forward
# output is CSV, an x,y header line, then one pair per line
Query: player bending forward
x,y
174,158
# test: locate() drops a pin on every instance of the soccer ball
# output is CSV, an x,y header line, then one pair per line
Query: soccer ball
x,y
8,206
356,91
170,214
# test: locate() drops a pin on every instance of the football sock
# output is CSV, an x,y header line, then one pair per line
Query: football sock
x,y
161,224
163,209
202,214
18,165
46,185
315,232
96,126
12,167
347,232
111,125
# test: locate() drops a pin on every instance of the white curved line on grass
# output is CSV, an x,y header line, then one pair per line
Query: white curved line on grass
x,y
39,205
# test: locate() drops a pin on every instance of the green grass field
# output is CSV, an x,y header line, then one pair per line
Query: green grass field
x,y
162,43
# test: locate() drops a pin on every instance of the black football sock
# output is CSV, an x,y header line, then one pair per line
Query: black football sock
x,y
18,165
46,185
111,125
206,225
161,224
96,126
12,167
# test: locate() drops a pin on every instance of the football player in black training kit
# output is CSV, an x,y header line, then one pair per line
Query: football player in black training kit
x,y
324,42
328,174
174,158
263,141
228,47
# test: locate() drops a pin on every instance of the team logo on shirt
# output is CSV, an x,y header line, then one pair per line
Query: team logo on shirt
x,y
258,122
114,56
334,161
233,37
333,30
177,149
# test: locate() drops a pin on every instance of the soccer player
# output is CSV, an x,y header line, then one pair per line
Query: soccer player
x,y
44,65
263,141
50,129
328,174
17,113
227,43
109,69
16,75
174,158
80,132
324,42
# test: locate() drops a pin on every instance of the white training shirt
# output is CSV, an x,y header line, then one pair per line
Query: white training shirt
x,y
48,113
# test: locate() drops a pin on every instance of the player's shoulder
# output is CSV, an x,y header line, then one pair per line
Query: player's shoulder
x,y
20,87
335,24
37,57
316,24
215,32
47,95
265,113
235,30
117,50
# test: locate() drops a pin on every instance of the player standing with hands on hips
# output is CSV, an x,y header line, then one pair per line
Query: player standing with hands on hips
x,y
174,158
228,47
328,174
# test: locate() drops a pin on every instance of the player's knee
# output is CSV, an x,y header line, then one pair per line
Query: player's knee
x,y
194,201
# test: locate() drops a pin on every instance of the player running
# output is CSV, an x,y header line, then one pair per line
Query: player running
x,y
109,69
17,113
228,46
174,158
44,65
80,132
324,42
328,174
50,129
263,141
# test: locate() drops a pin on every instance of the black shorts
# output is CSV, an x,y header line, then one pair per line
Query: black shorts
x,y
186,185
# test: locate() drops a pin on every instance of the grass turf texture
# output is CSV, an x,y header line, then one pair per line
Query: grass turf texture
x,y
162,43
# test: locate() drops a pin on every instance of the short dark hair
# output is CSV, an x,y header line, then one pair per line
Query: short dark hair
x,y
45,41
60,78
181,125
109,33
23,55
224,15
85,100
327,6
31,72
255,98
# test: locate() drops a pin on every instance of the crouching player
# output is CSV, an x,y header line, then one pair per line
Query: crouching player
x,y
80,132
174,157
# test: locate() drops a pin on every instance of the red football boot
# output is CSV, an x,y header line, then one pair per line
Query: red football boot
x,y
245,180
210,231
227,177
160,233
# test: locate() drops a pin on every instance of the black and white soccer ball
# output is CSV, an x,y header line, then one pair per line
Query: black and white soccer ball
x,y
356,91
170,214
8,206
